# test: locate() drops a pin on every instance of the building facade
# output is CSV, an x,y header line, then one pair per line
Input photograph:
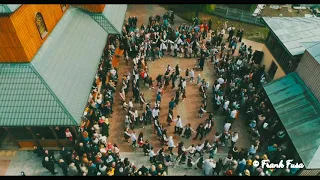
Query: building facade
x,y
25,29
309,69
286,42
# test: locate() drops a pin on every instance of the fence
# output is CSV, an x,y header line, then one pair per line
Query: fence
x,y
239,15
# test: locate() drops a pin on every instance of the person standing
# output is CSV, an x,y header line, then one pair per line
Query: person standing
x,y
234,139
171,145
170,117
142,101
49,165
177,98
134,139
64,166
152,155
208,166
241,35
179,127
210,24
171,104
191,75
200,131
201,64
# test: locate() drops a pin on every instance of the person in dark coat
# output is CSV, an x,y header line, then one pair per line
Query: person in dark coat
x,y
50,154
219,166
105,128
210,24
173,78
177,98
64,166
201,64
200,131
38,150
130,19
241,35
64,153
134,21
49,165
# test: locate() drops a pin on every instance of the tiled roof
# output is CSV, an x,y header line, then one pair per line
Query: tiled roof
x,y
293,31
27,101
299,112
8,8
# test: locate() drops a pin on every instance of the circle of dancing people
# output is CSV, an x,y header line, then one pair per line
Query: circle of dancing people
x,y
236,92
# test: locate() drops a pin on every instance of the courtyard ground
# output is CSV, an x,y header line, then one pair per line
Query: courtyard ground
x,y
14,162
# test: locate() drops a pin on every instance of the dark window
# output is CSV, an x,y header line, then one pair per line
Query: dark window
x,y
42,28
271,42
20,133
63,7
273,69
277,51
43,132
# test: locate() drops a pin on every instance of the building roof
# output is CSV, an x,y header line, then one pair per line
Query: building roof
x,y
292,31
299,112
67,62
115,13
27,101
8,8
314,51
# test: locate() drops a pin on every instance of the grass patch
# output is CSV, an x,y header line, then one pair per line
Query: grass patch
x,y
251,32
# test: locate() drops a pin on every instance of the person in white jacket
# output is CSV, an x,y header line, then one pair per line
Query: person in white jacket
x,y
208,167
171,145
191,150
134,139
179,127
192,75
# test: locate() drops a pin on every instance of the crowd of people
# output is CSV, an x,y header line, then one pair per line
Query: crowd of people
x,y
236,91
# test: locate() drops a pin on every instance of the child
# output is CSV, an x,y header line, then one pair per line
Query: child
x,y
198,79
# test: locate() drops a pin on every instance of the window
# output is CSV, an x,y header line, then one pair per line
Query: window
x,y
63,7
271,42
43,132
42,28
273,69
20,133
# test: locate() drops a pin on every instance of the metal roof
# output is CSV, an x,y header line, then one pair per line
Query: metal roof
x,y
299,111
27,101
292,31
54,88
115,13
8,8
314,50
69,58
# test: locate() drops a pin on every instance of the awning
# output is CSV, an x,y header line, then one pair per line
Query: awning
x,y
299,112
